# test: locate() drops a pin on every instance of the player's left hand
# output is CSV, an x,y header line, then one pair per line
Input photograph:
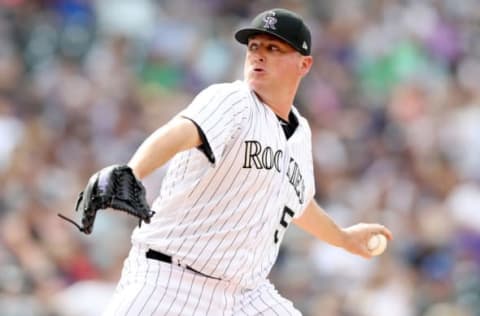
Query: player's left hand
x,y
356,237
113,187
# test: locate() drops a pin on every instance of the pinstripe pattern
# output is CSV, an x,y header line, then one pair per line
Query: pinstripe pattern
x,y
167,289
225,219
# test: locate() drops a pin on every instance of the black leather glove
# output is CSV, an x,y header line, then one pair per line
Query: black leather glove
x,y
113,187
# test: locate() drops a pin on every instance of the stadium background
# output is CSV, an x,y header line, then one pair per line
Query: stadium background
x,y
393,101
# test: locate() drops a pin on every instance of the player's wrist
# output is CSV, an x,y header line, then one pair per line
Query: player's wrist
x,y
345,238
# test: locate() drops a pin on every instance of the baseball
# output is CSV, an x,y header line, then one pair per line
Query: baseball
x,y
377,244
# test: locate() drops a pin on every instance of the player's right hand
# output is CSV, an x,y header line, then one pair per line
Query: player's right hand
x,y
357,236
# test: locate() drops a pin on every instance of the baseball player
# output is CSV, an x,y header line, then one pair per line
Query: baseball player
x,y
241,171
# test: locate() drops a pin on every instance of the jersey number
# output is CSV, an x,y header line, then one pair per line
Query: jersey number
x,y
283,221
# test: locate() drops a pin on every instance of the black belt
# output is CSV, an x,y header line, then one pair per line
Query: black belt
x,y
152,254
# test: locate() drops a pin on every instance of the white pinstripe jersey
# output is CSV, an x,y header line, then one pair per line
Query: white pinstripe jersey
x,y
225,214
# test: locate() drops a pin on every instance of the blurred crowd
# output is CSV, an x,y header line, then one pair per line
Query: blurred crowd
x,y
393,100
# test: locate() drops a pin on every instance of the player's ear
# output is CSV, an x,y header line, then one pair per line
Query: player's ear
x,y
305,64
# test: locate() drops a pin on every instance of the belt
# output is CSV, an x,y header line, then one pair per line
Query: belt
x,y
152,254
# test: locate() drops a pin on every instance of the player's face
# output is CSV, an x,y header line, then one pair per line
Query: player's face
x,y
272,64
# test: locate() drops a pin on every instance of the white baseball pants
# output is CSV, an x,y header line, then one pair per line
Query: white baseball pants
x,y
151,287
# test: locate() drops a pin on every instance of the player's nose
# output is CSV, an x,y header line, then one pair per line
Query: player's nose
x,y
259,58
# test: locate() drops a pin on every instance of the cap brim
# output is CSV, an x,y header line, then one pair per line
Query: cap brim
x,y
243,35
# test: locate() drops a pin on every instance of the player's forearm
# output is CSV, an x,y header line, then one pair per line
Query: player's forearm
x,y
318,223
177,135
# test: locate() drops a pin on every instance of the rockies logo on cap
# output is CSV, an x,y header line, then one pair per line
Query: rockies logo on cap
x,y
270,20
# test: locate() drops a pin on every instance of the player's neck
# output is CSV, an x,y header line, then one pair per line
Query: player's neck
x,y
278,103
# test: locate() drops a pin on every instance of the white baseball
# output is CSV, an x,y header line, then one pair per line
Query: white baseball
x,y
377,244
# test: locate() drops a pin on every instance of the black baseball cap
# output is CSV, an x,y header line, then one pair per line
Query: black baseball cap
x,y
281,23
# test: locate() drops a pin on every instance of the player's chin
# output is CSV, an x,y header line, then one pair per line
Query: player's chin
x,y
256,82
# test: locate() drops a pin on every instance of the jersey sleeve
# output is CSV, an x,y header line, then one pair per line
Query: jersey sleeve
x,y
218,112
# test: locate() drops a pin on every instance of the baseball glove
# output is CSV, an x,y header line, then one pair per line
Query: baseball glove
x,y
113,187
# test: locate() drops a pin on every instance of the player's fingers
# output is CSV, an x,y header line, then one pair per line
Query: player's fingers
x,y
385,231
381,229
